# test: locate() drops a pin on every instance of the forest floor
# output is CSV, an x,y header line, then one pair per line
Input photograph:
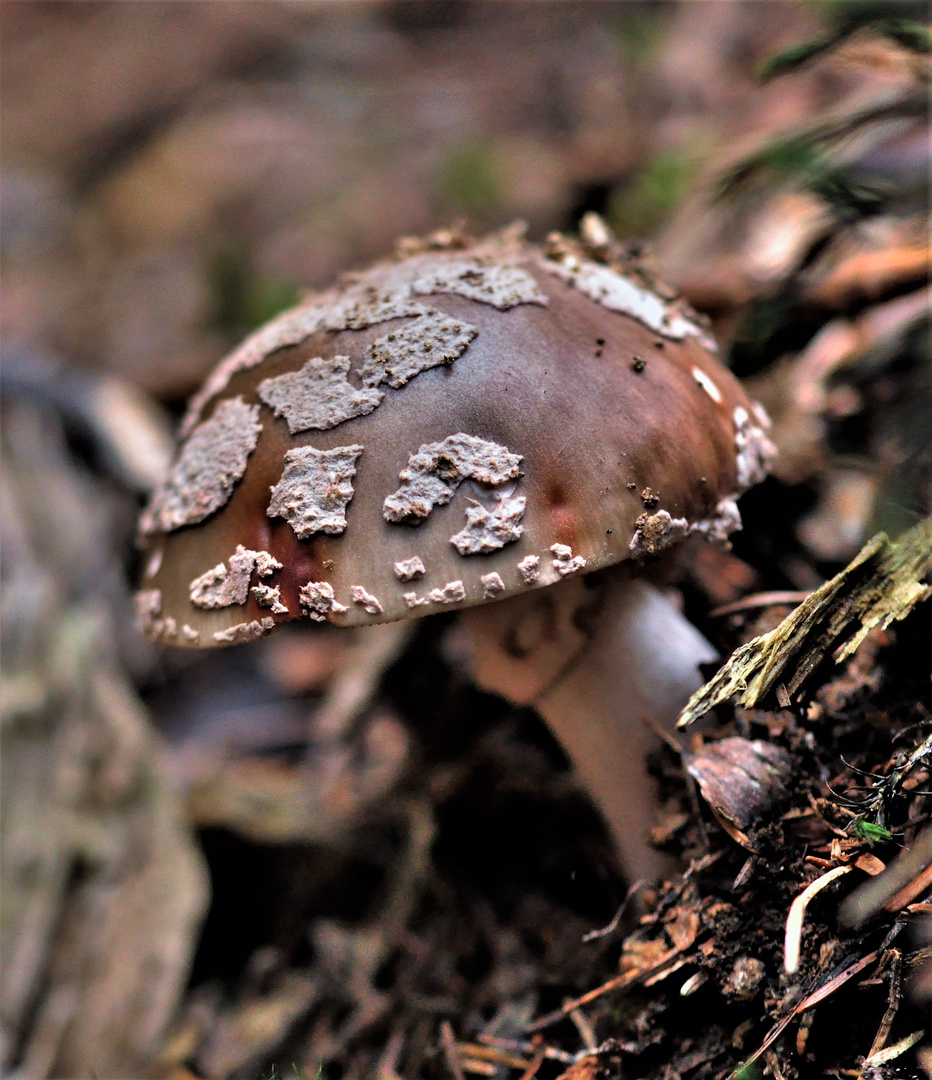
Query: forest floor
x,y
201,879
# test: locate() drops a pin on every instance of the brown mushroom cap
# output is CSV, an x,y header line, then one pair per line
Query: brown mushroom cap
x,y
448,428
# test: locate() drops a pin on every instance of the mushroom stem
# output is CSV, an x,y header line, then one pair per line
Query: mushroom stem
x,y
604,693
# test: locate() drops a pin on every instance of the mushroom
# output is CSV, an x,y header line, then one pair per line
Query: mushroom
x,y
487,425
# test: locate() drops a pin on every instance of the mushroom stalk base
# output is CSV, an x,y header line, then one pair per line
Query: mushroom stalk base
x,y
611,663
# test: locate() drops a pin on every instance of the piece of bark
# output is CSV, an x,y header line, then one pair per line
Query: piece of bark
x,y
741,780
881,585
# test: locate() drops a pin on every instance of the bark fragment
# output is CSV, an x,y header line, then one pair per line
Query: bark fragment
x,y
880,586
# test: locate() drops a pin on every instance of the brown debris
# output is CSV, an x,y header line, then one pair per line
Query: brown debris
x,y
741,780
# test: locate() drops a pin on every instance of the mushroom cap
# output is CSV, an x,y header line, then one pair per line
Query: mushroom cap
x,y
465,422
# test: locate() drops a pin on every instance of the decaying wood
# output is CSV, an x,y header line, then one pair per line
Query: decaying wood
x,y
880,586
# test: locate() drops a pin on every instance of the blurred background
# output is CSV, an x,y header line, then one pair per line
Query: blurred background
x,y
198,882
